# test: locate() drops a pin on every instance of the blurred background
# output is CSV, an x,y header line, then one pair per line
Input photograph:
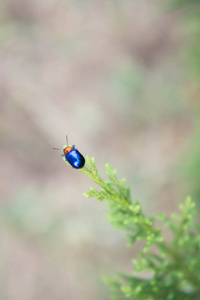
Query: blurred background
x,y
121,79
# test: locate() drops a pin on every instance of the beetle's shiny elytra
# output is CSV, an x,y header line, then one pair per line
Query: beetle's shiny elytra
x,y
73,156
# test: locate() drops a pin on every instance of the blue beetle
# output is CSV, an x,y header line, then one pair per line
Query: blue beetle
x,y
73,156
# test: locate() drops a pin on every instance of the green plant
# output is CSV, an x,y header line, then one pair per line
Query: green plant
x,y
174,265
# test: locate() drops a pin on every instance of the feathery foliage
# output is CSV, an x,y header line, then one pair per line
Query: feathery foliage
x,y
174,265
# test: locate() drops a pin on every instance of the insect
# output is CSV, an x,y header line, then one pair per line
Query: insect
x,y
73,156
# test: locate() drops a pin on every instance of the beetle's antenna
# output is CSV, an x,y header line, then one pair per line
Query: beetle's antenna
x,y
56,149
67,140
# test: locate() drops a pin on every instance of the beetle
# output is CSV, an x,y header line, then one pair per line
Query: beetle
x,y
73,156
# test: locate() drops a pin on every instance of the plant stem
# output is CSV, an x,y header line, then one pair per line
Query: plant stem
x,y
181,265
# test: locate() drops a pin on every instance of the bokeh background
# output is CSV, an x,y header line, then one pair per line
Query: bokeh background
x,y
121,79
